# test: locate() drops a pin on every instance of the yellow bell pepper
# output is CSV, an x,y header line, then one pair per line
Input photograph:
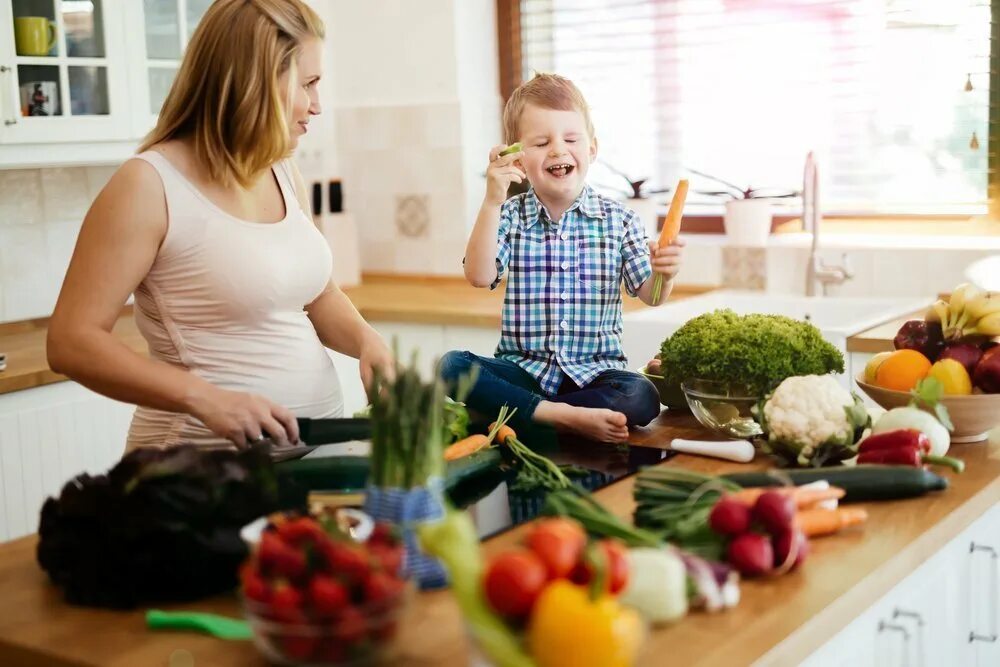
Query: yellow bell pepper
x,y
568,628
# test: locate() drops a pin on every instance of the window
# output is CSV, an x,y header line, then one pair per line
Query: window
x,y
892,95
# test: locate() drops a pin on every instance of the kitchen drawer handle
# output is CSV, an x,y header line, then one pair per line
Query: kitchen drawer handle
x,y
919,622
896,627
993,589
13,119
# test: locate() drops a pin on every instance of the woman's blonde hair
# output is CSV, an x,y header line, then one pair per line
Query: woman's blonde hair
x,y
548,91
226,97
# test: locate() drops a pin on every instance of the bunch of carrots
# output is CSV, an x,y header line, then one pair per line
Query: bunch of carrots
x,y
541,471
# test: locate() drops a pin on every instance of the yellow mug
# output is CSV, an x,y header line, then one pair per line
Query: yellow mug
x,y
34,35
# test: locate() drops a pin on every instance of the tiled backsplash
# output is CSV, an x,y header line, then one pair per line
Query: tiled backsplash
x,y
394,157
41,211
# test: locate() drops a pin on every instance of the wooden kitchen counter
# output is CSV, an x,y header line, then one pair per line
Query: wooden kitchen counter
x,y
778,621
380,298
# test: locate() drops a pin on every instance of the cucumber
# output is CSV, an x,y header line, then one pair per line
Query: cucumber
x,y
865,482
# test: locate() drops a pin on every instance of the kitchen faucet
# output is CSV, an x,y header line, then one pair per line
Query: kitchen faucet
x,y
818,271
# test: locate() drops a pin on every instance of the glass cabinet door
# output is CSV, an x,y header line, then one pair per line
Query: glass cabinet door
x,y
168,25
66,77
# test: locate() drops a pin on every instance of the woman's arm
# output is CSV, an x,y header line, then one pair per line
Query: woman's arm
x,y
118,242
338,323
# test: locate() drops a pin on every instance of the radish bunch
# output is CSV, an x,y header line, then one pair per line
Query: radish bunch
x,y
763,538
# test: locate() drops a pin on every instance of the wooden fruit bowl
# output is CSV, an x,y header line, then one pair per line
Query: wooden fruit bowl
x,y
973,416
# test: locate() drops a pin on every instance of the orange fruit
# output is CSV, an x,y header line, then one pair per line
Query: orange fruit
x,y
902,370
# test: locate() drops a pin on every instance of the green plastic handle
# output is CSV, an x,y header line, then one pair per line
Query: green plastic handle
x,y
223,627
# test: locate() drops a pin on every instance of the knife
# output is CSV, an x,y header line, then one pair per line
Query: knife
x,y
314,433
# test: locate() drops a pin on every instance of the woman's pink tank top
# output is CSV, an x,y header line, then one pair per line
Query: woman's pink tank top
x,y
225,300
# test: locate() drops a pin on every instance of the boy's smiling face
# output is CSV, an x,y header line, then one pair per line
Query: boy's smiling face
x,y
557,153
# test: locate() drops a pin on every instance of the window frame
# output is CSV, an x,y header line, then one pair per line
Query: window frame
x,y
510,62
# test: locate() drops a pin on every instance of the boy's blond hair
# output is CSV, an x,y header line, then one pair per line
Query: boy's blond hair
x,y
548,91
226,96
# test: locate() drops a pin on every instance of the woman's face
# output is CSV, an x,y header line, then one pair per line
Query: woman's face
x,y
305,92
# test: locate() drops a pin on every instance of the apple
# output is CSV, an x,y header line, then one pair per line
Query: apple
x,y
966,354
924,337
871,368
987,373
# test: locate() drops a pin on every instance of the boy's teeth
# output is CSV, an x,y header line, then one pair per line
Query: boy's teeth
x,y
560,169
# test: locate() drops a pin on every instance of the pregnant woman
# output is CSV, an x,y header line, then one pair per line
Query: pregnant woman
x,y
208,227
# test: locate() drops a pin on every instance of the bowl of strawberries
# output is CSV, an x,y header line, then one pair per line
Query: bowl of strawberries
x,y
314,596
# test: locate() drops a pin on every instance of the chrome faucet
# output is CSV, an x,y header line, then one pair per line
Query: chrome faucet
x,y
818,271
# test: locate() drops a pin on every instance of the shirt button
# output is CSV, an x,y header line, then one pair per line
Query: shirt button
x,y
564,325
565,236
565,265
564,296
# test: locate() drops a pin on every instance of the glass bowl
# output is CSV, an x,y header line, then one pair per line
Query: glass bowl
x,y
366,636
723,407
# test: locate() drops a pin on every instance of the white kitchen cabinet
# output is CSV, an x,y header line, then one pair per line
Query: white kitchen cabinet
x,y
47,436
929,617
90,97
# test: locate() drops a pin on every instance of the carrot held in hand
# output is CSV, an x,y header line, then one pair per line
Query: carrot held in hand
x,y
671,228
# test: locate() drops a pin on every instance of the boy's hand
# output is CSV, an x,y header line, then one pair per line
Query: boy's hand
x,y
666,261
500,173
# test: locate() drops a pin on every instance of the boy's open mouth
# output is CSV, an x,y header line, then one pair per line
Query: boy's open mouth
x,y
560,170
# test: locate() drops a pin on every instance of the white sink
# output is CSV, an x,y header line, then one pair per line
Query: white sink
x,y
837,318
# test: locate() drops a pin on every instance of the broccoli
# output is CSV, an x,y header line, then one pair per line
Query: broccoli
x,y
756,351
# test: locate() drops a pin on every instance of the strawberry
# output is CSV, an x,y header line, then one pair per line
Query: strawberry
x,y
349,562
381,590
277,557
384,534
255,588
389,558
350,626
300,530
286,603
328,596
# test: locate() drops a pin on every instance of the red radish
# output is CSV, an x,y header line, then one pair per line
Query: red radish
x,y
729,517
783,547
775,512
751,554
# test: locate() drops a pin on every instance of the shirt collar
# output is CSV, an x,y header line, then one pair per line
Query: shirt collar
x,y
587,202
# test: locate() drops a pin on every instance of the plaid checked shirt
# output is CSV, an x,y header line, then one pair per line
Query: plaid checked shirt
x,y
562,311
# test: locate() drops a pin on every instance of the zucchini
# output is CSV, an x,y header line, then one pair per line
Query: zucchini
x,y
865,482
467,480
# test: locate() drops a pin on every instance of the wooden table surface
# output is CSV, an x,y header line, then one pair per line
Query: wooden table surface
x,y
778,622
381,298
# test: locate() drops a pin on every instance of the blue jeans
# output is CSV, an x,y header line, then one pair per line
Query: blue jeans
x,y
501,382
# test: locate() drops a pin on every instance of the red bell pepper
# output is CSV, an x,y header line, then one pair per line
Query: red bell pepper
x,y
903,447
903,437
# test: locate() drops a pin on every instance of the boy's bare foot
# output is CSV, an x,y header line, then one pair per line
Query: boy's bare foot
x,y
595,423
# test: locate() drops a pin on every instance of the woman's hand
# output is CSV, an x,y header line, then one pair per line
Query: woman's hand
x,y
666,261
375,356
501,172
244,418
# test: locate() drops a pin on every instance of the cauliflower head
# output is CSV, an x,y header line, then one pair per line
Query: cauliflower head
x,y
811,420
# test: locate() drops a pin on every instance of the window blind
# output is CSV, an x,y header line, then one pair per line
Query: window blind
x,y
891,95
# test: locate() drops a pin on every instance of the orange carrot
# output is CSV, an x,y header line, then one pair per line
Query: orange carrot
x,y
804,498
672,223
819,522
466,446
501,432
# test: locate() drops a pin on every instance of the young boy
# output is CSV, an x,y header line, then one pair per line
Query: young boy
x,y
566,250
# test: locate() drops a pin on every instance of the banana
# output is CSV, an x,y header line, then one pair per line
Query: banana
x,y
989,325
960,296
983,304
938,312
